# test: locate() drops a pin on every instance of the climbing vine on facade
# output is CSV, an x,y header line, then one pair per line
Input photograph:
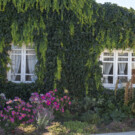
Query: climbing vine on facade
x,y
68,36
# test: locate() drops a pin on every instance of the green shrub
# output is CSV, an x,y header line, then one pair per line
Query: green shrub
x,y
21,90
90,117
116,126
80,127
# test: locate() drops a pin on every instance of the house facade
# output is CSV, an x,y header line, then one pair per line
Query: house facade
x,y
117,65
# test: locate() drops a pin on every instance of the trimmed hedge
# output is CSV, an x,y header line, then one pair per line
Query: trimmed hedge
x,y
20,90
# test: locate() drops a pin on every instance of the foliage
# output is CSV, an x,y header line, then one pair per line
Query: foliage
x,y
79,127
71,127
50,100
16,112
66,116
38,111
116,126
57,129
44,117
104,107
2,131
69,36
12,90
90,117
113,108
2,100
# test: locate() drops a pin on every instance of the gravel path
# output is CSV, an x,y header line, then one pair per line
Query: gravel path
x,y
121,133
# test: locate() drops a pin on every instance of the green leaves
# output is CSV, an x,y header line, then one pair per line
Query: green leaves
x,y
69,36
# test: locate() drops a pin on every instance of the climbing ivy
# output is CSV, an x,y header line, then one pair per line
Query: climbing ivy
x,y
68,36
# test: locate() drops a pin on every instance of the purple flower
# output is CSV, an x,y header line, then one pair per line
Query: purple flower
x,y
13,113
48,102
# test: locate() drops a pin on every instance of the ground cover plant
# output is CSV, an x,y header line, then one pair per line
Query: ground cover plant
x,y
39,111
52,113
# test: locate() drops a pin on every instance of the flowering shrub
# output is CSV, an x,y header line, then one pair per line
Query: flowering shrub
x,y
50,100
46,104
39,110
17,112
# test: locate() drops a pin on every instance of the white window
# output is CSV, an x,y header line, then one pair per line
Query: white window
x,y
23,60
118,64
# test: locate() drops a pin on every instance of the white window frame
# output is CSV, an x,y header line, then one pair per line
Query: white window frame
x,y
23,54
115,66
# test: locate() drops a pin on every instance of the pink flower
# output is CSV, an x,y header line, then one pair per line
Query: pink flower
x,y
43,97
48,95
62,109
69,102
13,113
23,115
29,110
20,118
8,102
28,105
55,90
55,103
12,119
23,108
52,98
8,107
61,99
17,113
65,97
57,106
34,111
58,100
1,115
48,102
51,92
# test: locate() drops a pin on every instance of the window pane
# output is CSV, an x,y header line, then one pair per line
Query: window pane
x,y
133,65
122,54
108,59
16,52
133,54
30,78
122,68
30,52
108,54
30,64
133,59
122,79
15,77
15,47
108,68
30,47
122,59
108,79
16,64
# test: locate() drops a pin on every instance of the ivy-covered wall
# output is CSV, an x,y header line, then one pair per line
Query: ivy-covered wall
x,y
69,36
